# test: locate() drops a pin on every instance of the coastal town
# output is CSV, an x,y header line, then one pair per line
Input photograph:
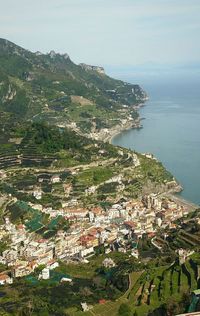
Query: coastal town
x,y
90,228
54,215
86,227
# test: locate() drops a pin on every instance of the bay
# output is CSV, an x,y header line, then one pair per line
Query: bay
x,y
171,131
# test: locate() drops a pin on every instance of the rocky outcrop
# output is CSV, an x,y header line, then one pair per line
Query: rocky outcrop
x,y
98,69
53,54
139,93
10,94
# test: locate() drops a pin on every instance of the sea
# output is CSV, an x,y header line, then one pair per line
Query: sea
x,y
171,130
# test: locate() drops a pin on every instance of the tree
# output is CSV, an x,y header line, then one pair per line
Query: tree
x,y
3,313
98,282
85,291
173,306
3,246
39,269
124,310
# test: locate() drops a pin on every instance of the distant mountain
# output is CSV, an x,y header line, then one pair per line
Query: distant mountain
x,y
50,87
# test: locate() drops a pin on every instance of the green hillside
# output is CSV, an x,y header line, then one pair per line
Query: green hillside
x,y
80,162
51,87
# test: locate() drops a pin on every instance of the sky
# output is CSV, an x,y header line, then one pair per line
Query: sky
x,y
111,33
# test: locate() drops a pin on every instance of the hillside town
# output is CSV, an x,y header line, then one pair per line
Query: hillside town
x,y
90,228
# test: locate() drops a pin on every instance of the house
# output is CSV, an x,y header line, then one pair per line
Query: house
x,y
130,225
64,279
121,249
5,279
113,213
55,179
86,251
78,213
97,210
10,255
112,233
45,275
91,216
184,254
89,240
71,251
37,194
52,264
21,270
91,190
108,263
85,307
135,253
2,260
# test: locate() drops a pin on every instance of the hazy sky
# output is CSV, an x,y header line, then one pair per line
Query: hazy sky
x,y
107,32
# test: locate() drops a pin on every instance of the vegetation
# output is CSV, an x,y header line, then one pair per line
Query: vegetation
x,y
96,164
54,89
41,97
151,290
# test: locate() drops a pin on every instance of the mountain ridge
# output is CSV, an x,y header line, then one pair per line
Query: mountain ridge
x,y
37,86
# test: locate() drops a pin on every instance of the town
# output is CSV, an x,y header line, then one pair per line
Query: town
x,y
89,228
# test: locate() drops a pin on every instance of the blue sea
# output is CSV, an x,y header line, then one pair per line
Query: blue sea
x,y
171,130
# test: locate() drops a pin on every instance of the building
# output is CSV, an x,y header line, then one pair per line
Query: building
x,y
37,194
21,270
45,274
55,179
52,264
5,279
108,263
85,252
85,307
65,279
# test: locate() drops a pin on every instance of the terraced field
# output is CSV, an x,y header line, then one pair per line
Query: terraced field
x,y
149,289
165,282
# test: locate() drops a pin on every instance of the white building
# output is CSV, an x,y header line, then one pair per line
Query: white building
x,y
55,179
37,194
86,251
45,274
108,263
66,280
52,264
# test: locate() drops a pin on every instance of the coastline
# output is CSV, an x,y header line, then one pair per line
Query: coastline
x,y
136,124
181,201
121,128
133,124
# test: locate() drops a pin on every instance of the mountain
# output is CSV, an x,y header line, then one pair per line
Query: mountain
x,y
63,194
50,87
74,101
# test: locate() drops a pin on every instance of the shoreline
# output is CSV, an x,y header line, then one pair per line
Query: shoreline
x,y
182,201
120,129
134,124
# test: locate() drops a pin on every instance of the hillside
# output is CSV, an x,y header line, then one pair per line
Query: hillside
x,y
50,87
97,217
97,171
